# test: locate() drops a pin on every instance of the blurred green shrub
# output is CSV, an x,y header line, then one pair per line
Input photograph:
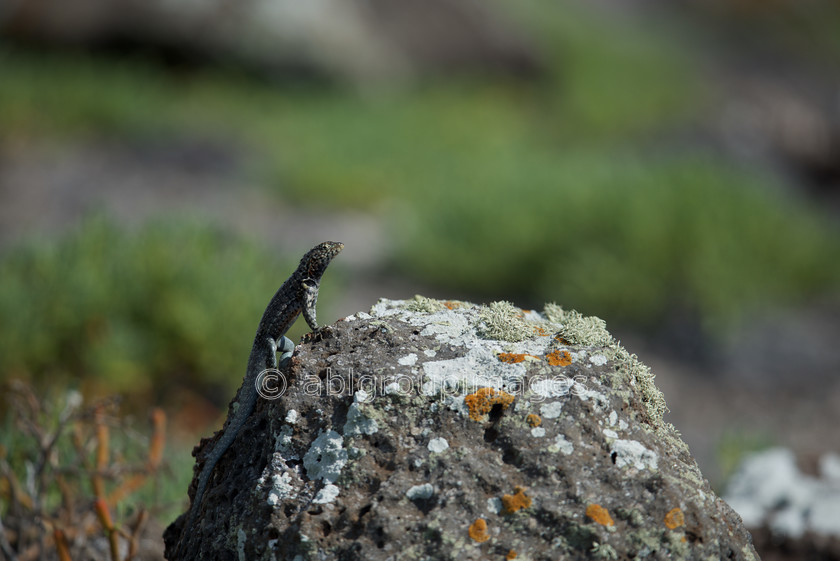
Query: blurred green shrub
x,y
134,312
628,239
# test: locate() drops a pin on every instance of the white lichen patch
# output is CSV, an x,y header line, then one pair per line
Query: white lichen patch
x,y
611,434
438,445
420,492
408,360
578,356
357,316
326,457
326,495
494,505
278,480
538,432
598,360
281,488
561,445
357,423
583,392
480,367
551,410
283,442
291,416
634,454
550,387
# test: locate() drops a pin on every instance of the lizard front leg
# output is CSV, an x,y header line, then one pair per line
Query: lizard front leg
x,y
310,298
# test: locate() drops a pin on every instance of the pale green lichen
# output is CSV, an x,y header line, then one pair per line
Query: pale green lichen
x,y
669,432
749,553
640,375
644,541
423,304
677,547
503,321
632,516
604,551
577,328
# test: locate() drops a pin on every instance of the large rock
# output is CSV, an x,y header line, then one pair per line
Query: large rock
x,y
446,430
360,41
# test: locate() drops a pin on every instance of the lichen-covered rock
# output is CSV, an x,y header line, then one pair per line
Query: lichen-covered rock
x,y
792,514
446,430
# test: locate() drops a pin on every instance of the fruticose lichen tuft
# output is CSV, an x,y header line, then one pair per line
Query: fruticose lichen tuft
x,y
423,304
503,321
579,329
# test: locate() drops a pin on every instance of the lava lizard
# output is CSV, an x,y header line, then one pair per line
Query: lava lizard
x,y
298,294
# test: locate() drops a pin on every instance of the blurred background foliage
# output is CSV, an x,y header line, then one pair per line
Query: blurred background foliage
x,y
597,179
134,312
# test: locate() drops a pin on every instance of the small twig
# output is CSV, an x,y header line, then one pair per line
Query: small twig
x,y
134,538
61,545
104,515
5,546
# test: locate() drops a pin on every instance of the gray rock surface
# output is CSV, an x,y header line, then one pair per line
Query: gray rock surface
x,y
446,430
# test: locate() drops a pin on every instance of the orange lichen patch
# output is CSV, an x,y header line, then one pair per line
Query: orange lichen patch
x,y
510,555
540,331
600,515
482,401
519,500
674,518
451,304
533,420
478,531
512,358
559,358
560,339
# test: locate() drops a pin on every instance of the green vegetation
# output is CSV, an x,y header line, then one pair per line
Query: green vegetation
x,y
557,190
135,312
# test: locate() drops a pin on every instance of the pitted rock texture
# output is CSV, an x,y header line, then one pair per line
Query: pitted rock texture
x,y
413,432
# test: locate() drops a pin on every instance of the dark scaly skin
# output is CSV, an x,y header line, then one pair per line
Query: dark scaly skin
x,y
299,294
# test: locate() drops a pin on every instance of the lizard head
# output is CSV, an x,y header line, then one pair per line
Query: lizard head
x,y
315,262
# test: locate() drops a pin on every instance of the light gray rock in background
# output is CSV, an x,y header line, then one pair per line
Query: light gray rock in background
x,y
356,41
446,430
770,491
